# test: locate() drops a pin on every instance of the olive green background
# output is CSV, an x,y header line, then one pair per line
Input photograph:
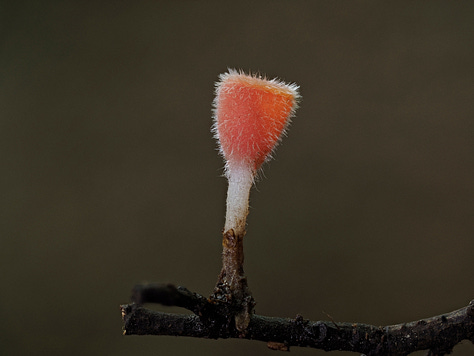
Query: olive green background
x,y
110,175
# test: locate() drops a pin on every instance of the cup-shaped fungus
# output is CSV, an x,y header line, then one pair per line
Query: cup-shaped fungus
x,y
251,114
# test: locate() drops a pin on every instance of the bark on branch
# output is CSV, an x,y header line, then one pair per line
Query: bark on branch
x,y
215,319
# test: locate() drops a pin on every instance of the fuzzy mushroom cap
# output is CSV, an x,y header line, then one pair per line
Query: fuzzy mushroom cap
x,y
250,116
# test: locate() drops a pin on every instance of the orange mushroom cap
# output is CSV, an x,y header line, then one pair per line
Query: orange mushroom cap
x,y
251,115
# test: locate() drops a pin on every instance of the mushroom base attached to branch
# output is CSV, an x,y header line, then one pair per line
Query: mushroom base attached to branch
x,y
231,288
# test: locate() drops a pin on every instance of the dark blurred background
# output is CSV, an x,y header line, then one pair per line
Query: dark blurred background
x,y
110,175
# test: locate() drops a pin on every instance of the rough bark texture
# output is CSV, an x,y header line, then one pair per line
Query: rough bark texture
x,y
215,319
231,289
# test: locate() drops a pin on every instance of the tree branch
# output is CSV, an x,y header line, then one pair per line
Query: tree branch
x,y
213,319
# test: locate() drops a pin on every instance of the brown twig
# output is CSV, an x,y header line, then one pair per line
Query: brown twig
x,y
438,334
231,289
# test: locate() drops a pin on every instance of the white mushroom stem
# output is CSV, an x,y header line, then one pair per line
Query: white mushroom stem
x,y
237,209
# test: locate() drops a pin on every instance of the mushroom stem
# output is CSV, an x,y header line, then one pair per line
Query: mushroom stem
x,y
237,206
